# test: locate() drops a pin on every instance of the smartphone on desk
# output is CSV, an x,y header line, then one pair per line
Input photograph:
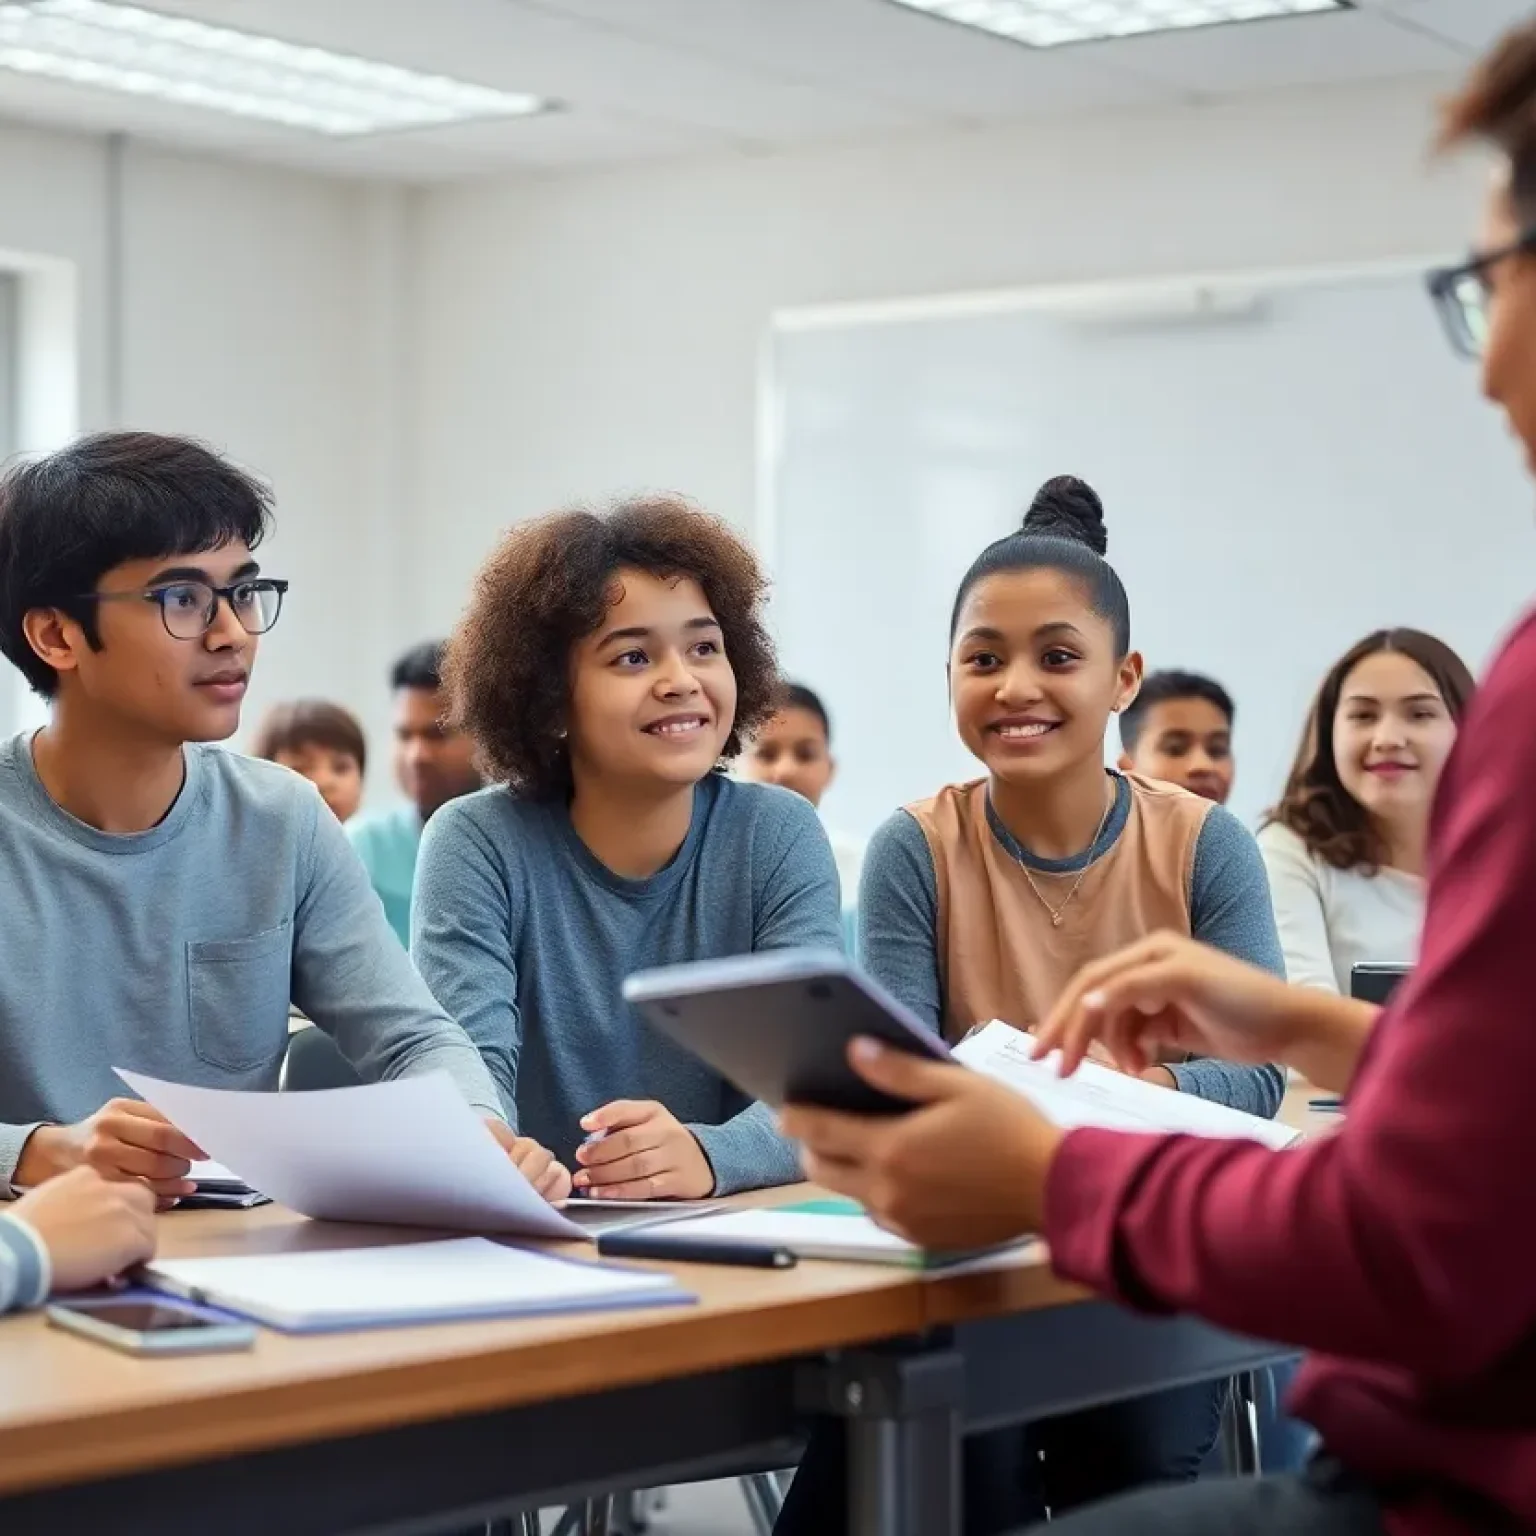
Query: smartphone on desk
x,y
142,1323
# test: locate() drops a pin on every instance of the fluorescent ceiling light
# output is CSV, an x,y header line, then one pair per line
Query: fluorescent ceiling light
x,y
168,58
1049,23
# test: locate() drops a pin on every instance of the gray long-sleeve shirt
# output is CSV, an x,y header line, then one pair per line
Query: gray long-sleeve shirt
x,y
177,951
526,938
1229,908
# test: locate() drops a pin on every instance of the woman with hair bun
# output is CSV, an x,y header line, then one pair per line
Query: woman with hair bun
x,y
984,900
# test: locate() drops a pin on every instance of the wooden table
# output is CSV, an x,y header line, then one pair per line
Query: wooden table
x,y
417,1429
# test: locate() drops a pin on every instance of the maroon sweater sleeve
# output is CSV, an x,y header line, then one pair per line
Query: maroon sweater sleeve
x,y
1371,1242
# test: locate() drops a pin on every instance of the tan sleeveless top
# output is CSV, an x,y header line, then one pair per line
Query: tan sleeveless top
x,y
1000,957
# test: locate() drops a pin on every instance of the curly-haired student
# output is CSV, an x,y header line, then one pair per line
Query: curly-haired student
x,y
608,665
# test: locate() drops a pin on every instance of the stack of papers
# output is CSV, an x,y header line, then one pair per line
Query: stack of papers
x,y
405,1283
219,1189
1100,1096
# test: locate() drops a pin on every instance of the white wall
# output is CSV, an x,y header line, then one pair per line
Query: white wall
x,y
1280,478
599,332
264,311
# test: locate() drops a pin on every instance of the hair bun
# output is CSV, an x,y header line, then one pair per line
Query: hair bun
x,y
1068,508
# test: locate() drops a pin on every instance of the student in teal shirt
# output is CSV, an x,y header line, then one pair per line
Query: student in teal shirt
x,y
434,763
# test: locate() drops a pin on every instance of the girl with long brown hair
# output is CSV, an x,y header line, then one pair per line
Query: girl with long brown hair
x,y
1344,848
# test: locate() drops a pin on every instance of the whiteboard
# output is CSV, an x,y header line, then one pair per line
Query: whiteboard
x,y
1278,480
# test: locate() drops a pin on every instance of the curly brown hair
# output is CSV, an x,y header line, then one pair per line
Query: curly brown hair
x,y
1316,806
507,670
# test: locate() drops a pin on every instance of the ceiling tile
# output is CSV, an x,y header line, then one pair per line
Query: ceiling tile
x,y
654,78
1290,50
1473,23
874,50
585,63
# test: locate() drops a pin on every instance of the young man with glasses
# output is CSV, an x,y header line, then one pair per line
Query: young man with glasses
x,y
165,901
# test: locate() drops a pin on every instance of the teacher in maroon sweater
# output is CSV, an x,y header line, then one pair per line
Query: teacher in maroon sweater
x,y
1402,1251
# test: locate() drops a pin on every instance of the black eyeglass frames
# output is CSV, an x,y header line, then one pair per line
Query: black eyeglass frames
x,y
1460,295
188,608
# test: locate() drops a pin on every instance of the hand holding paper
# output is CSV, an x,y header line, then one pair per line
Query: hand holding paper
x,y
124,1139
535,1163
409,1151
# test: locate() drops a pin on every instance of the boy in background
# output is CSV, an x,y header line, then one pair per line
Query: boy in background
x,y
321,742
794,751
1179,729
434,763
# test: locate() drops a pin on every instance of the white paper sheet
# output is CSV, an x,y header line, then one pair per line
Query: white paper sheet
x,y
1100,1096
410,1282
409,1151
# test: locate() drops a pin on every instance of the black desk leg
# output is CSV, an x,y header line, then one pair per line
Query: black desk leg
x,y
902,1411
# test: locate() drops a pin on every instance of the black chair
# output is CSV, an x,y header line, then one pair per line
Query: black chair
x,y
314,1062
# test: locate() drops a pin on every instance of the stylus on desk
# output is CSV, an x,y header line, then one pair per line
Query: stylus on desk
x,y
637,1245
1327,1106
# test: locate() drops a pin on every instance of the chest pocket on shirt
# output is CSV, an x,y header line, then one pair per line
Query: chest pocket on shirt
x,y
237,993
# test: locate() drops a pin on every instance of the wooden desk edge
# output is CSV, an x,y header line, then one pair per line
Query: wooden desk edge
x,y
266,1416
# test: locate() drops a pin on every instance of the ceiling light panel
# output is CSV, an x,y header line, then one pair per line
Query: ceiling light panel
x,y
169,58
1050,23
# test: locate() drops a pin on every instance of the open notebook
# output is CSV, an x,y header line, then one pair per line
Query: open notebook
x,y
810,1229
405,1283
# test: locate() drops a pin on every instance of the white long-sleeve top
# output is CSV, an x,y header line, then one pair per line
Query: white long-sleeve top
x,y
1331,920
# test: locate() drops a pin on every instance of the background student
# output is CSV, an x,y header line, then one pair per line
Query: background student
x,y
321,742
1345,846
434,763
1179,729
206,890
607,667
71,1233
793,749
985,900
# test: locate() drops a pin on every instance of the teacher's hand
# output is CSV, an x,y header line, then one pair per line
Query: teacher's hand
x,y
964,1168
1168,990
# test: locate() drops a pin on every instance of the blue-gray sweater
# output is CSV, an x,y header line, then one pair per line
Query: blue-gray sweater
x,y
526,938
177,951
24,1265
1229,906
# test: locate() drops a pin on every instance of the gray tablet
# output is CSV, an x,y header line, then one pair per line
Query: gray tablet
x,y
778,1024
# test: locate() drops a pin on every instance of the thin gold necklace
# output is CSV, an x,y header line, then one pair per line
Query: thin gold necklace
x,y
1058,912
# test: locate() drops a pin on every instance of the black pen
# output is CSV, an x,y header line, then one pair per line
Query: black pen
x,y
639,1245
